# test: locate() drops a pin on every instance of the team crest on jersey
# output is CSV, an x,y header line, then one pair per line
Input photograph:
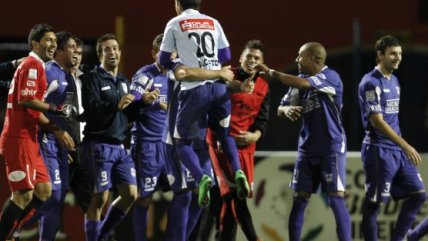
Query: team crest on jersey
x,y
195,24
32,73
143,80
370,95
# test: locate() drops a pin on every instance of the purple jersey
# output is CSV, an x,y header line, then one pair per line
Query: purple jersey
x,y
322,113
150,119
377,94
61,90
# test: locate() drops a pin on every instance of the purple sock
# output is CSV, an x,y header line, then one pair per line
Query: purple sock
x,y
295,221
419,231
370,212
190,160
112,219
92,230
229,147
194,213
49,222
407,215
178,217
139,220
341,214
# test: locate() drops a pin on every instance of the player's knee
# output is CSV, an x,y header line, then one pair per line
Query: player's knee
x,y
419,198
336,194
182,142
302,195
131,195
98,200
144,201
370,205
22,197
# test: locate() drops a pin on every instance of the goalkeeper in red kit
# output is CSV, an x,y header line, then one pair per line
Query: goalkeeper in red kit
x,y
249,116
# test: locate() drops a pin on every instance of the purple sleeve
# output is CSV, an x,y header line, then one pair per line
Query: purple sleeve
x,y
224,55
165,59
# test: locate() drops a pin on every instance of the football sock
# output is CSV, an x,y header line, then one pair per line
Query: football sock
x,y
370,212
341,214
407,215
242,214
92,230
139,220
295,221
113,217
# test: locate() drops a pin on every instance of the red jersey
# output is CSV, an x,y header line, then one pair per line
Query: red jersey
x,y
29,82
250,111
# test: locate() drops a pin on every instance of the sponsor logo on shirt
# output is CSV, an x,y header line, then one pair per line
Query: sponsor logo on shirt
x,y
105,88
32,73
194,24
16,176
386,90
31,83
370,95
27,92
392,106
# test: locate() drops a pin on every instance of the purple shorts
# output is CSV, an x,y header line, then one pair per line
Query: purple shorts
x,y
56,160
150,166
329,170
108,165
200,107
389,173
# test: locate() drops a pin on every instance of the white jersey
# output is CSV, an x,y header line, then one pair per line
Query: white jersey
x,y
197,38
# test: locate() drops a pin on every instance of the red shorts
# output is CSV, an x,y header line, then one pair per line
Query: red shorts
x,y
224,173
24,164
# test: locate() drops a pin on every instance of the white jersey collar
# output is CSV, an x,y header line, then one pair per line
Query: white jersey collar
x,y
34,55
190,12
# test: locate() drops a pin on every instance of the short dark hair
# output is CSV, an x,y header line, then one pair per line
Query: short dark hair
x,y
62,39
38,31
105,37
187,4
386,41
157,41
255,44
79,41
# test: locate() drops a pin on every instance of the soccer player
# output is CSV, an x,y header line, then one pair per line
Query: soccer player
x,y
105,98
201,42
55,156
389,161
249,117
150,84
184,210
322,143
27,174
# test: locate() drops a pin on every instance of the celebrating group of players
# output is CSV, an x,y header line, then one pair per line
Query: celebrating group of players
x,y
189,116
